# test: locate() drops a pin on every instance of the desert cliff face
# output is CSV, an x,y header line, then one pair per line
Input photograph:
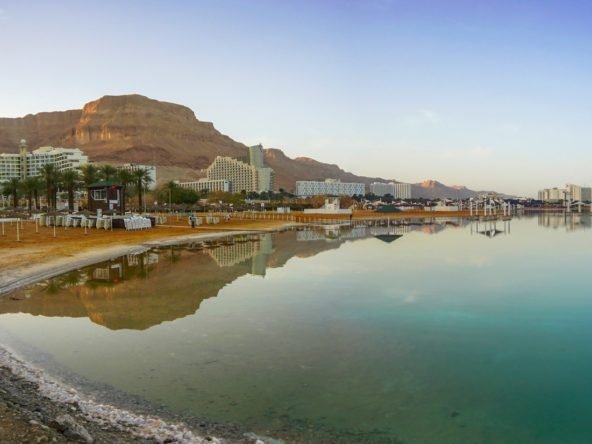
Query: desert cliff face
x,y
130,128
137,129
39,129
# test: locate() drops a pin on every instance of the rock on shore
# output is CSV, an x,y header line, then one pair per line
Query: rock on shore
x,y
37,409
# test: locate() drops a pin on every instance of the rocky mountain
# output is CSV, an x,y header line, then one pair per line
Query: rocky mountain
x,y
134,128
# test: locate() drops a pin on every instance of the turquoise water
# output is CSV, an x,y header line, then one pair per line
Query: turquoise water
x,y
452,333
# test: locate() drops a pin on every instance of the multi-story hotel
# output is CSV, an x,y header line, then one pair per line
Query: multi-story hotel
x,y
402,191
207,184
397,190
25,164
330,187
131,167
241,176
570,192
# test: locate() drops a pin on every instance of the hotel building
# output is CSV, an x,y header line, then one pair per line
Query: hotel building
x,y
25,164
207,184
234,175
329,187
397,190
570,192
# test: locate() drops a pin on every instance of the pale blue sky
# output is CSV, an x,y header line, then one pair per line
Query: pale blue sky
x,y
492,94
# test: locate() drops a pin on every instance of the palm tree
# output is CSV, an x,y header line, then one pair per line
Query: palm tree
x,y
11,188
170,186
126,178
90,174
50,176
142,177
31,186
71,181
108,172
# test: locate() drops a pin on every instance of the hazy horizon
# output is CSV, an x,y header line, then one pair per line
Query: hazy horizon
x,y
491,96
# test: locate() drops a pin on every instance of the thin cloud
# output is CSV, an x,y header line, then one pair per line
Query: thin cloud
x,y
430,115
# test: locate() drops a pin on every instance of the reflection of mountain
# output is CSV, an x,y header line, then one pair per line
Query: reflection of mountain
x,y
569,221
140,291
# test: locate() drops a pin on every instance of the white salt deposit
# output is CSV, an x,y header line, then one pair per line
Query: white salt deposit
x,y
143,426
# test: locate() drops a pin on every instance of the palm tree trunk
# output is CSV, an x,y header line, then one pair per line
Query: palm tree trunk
x,y
140,196
70,199
36,195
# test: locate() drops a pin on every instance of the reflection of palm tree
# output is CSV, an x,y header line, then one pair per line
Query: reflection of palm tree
x,y
54,285
72,278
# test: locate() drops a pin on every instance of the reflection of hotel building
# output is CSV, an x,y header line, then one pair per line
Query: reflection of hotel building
x,y
331,234
397,190
239,252
571,221
25,164
329,187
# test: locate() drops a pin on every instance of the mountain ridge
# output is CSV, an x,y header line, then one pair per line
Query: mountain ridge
x,y
134,128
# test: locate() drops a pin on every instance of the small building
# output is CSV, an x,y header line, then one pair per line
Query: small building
x,y
330,207
106,196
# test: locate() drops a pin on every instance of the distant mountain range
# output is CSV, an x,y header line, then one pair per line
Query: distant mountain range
x,y
137,129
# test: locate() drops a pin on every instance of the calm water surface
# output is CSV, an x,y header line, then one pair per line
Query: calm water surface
x,y
452,333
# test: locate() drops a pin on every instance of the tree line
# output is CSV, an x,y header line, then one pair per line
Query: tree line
x,y
50,181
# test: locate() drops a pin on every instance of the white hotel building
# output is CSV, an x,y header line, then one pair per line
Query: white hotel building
x,y
25,164
570,192
234,175
329,187
207,184
397,190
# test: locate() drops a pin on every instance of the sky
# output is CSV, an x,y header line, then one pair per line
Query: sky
x,y
494,95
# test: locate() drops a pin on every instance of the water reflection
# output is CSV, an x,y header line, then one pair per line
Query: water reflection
x,y
491,228
128,293
568,221
446,338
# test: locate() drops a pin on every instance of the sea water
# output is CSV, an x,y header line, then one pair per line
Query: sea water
x,y
454,331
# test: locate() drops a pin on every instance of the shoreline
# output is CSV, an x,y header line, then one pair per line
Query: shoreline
x,y
48,269
33,404
18,375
